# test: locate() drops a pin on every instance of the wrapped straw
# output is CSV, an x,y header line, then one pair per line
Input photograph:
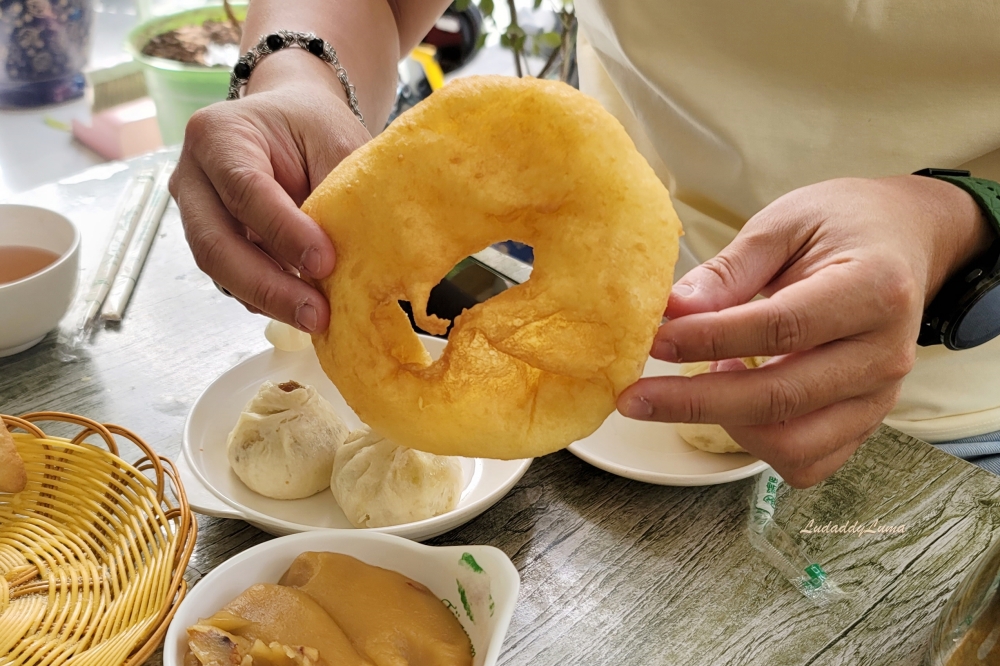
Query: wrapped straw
x,y
135,257
780,550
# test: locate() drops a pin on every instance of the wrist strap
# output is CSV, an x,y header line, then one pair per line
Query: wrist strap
x,y
985,193
951,303
306,41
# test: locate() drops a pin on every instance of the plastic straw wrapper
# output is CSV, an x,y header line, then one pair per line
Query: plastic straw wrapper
x,y
135,257
780,550
85,310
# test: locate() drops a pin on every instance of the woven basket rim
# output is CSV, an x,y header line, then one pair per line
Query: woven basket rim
x,y
152,471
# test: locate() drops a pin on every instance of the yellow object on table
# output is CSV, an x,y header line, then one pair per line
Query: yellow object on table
x,y
92,551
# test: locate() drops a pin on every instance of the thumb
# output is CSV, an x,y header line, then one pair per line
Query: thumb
x,y
732,277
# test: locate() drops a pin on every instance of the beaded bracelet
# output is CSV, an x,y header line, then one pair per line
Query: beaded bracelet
x,y
307,41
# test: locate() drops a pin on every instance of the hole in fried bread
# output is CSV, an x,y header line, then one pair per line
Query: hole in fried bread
x,y
466,285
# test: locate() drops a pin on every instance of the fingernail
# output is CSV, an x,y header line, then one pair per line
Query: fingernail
x,y
638,408
306,317
666,350
311,262
682,289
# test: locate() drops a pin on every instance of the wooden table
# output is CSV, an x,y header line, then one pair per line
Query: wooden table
x,y
613,571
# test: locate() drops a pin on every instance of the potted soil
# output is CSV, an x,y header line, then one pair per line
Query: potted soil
x,y
187,58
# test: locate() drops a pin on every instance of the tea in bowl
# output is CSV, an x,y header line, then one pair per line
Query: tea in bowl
x,y
39,262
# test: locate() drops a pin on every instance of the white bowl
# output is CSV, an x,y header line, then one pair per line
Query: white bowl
x,y
442,569
33,306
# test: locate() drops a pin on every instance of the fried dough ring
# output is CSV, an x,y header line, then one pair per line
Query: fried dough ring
x,y
484,160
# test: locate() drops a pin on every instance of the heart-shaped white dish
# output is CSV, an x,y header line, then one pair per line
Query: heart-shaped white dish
x,y
486,576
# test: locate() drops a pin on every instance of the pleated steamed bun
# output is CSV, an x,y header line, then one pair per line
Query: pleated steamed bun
x,y
283,445
709,436
379,483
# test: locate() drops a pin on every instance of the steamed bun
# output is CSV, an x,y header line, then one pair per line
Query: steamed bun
x,y
378,483
708,437
284,443
705,436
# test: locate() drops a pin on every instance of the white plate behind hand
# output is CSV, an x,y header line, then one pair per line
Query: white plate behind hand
x,y
653,452
216,411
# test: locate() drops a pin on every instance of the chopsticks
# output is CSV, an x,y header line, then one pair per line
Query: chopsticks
x,y
135,258
136,223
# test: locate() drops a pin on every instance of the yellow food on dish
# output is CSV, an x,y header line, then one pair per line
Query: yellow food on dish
x,y
539,366
710,437
378,483
285,440
389,618
331,610
267,615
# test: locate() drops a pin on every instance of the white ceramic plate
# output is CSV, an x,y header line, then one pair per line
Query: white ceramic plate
x,y
217,409
440,569
655,453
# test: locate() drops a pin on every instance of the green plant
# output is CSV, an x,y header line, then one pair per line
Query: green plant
x,y
513,37
232,17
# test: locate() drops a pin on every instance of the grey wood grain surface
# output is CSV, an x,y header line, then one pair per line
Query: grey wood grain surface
x,y
613,571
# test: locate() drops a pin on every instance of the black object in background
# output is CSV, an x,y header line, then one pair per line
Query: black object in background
x,y
470,283
456,36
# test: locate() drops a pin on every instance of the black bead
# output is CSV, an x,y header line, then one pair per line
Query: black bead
x,y
316,46
275,42
242,70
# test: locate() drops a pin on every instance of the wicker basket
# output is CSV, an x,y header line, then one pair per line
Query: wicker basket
x,y
92,552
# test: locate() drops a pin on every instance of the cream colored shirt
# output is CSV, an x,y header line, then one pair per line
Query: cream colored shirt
x,y
737,102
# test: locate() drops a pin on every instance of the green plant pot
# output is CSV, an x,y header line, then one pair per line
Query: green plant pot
x,y
179,88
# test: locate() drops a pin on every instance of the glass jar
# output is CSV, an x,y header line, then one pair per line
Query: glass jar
x,y
968,631
44,45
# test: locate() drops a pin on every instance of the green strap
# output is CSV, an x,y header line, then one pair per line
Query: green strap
x,y
986,193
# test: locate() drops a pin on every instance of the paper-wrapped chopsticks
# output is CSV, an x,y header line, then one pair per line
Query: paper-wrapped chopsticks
x,y
135,257
136,223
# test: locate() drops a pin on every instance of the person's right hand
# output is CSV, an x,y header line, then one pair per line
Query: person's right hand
x,y
245,169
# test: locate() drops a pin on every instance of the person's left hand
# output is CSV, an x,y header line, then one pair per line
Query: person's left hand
x,y
848,267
